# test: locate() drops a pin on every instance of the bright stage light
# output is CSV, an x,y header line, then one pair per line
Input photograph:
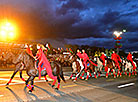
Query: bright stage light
x,y
7,31
117,34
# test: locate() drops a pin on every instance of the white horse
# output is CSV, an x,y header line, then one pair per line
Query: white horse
x,y
77,66
100,64
129,67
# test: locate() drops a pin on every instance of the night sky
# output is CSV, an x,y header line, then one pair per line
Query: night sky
x,y
82,22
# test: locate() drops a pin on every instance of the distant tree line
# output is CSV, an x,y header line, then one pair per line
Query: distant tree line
x,y
96,51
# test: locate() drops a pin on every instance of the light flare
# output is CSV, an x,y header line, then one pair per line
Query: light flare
x,y
7,31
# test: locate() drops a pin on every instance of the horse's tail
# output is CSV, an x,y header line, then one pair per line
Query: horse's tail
x,y
62,76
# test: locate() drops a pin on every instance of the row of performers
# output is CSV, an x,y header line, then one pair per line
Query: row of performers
x,y
82,55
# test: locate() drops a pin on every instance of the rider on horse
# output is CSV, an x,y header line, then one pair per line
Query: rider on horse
x,y
85,58
80,56
103,58
114,57
129,58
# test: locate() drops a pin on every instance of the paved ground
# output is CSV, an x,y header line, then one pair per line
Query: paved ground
x,y
93,90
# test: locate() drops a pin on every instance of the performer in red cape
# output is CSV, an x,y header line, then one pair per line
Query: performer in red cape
x,y
42,59
129,58
103,58
85,58
114,57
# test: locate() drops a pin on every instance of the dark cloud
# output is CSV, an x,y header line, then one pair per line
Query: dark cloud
x,y
110,17
69,6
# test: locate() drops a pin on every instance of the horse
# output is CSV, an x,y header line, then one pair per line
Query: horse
x,y
110,67
77,66
129,67
24,61
90,69
100,65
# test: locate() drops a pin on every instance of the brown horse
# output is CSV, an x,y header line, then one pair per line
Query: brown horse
x,y
25,61
110,67
22,61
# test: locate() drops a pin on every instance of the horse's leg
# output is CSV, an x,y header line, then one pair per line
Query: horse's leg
x,y
32,85
74,70
58,82
45,78
85,70
114,73
100,71
135,72
12,76
121,71
71,75
132,71
62,76
94,72
21,76
16,70
107,72
87,75
125,71
79,74
29,79
129,72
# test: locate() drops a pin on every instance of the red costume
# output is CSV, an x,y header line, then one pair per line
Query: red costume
x,y
28,50
119,59
103,59
85,58
42,59
114,57
79,54
129,57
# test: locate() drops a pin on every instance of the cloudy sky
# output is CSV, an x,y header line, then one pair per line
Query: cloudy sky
x,y
82,22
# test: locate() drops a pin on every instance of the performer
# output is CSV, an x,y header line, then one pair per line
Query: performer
x,y
85,58
103,58
29,50
79,54
114,57
43,60
129,58
79,59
